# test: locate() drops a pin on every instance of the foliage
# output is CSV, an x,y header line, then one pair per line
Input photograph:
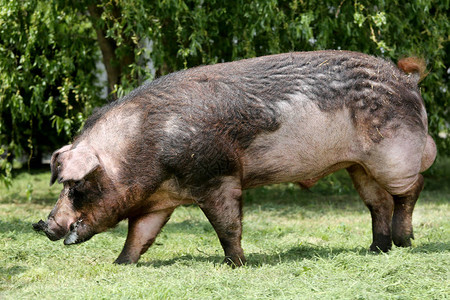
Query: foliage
x,y
48,50
46,74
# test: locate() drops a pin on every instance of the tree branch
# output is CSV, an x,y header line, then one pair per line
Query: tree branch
x,y
108,48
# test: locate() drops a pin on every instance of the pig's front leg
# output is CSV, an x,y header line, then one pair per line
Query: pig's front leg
x,y
223,208
142,231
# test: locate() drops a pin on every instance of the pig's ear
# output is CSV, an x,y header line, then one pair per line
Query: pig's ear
x,y
74,164
54,163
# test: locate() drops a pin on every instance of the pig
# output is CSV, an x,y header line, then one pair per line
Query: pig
x,y
202,135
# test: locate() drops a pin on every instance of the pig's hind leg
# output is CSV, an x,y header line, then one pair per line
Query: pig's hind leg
x,y
396,165
223,208
380,204
142,232
402,230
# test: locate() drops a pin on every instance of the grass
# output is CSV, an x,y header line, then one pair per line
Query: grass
x,y
299,245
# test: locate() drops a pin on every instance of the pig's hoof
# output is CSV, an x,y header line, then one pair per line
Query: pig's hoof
x,y
379,249
381,243
234,262
404,241
123,261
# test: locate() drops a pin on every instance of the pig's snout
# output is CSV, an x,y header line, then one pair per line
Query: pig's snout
x,y
52,229
39,226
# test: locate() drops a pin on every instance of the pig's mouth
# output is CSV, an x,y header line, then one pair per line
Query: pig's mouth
x,y
71,237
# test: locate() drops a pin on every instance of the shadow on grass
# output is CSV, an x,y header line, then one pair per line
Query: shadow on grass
x,y
308,252
16,225
260,259
19,198
7,273
432,247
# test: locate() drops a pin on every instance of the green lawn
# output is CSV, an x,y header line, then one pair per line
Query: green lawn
x,y
299,245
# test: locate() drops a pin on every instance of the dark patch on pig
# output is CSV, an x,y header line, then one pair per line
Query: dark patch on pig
x,y
84,192
215,114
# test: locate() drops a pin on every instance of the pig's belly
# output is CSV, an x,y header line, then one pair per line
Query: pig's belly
x,y
308,145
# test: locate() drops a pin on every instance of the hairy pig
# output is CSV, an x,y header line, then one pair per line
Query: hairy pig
x,y
204,134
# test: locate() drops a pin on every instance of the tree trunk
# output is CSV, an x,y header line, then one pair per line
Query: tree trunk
x,y
115,66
